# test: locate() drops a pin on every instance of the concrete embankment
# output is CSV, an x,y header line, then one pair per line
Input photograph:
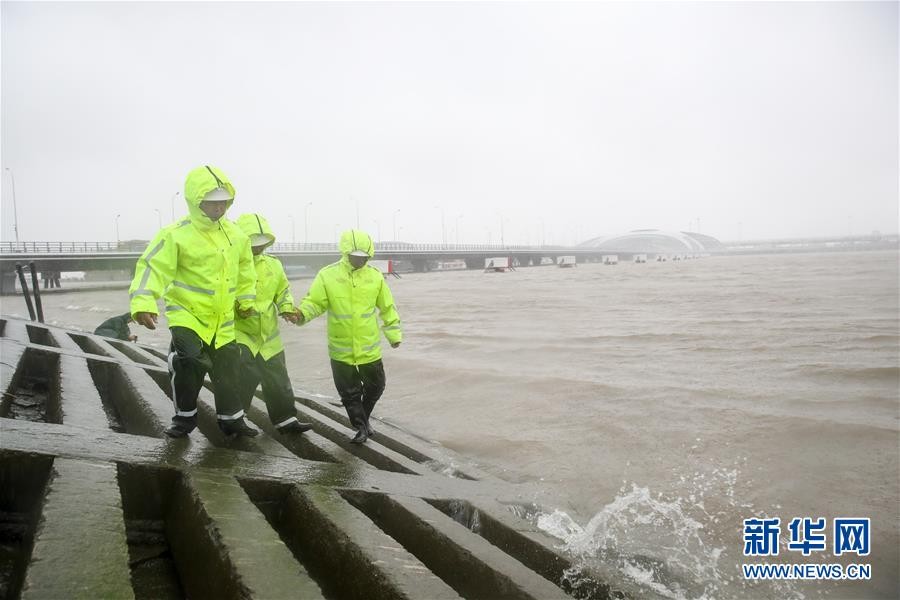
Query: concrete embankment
x,y
96,502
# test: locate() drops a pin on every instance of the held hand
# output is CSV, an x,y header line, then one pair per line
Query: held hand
x,y
290,317
300,318
132,338
395,344
146,319
244,313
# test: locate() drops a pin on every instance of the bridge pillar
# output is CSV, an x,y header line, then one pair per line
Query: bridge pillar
x,y
475,263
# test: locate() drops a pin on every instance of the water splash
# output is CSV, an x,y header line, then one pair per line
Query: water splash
x,y
669,547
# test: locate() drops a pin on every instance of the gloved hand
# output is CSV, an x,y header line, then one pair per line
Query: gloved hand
x,y
146,319
395,344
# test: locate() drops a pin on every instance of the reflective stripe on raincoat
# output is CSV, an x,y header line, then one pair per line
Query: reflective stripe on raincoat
x,y
199,266
273,295
350,298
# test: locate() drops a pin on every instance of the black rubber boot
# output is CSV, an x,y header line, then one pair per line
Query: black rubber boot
x,y
175,431
361,436
368,407
180,427
237,428
357,415
295,428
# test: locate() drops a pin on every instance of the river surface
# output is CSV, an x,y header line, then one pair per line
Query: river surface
x,y
650,408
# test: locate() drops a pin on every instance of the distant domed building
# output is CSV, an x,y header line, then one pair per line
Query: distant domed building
x,y
654,241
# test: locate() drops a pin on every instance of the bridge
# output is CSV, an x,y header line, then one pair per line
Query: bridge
x,y
122,256
111,256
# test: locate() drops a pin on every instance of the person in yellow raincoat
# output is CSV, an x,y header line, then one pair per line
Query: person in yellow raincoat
x,y
202,267
258,338
350,291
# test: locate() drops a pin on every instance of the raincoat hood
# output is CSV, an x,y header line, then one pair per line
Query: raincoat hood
x,y
198,184
354,239
255,225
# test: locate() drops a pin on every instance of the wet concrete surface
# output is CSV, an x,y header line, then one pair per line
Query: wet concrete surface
x,y
80,548
96,502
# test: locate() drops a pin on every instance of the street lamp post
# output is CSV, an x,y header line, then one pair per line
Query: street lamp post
x,y
117,230
173,204
306,222
15,209
395,224
158,217
502,240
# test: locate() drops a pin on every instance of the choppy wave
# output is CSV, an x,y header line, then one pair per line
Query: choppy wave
x,y
651,545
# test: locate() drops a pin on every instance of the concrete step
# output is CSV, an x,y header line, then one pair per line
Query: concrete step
x,y
80,548
352,557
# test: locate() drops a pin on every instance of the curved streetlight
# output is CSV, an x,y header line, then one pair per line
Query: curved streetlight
x,y
15,209
173,204
117,230
158,217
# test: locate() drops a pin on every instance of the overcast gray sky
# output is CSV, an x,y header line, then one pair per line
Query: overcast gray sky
x,y
563,120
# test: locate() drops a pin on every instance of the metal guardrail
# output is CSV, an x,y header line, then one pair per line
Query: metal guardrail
x,y
62,247
7,247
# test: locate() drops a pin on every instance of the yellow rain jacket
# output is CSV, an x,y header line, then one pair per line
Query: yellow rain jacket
x,y
350,297
273,294
200,266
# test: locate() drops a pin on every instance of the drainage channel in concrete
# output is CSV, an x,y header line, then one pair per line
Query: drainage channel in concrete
x,y
23,484
96,502
35,395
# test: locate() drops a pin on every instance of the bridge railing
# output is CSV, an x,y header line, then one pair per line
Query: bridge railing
x,y
7,247
408,247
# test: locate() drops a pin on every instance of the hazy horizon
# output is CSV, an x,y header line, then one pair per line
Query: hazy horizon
x,y
563,122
